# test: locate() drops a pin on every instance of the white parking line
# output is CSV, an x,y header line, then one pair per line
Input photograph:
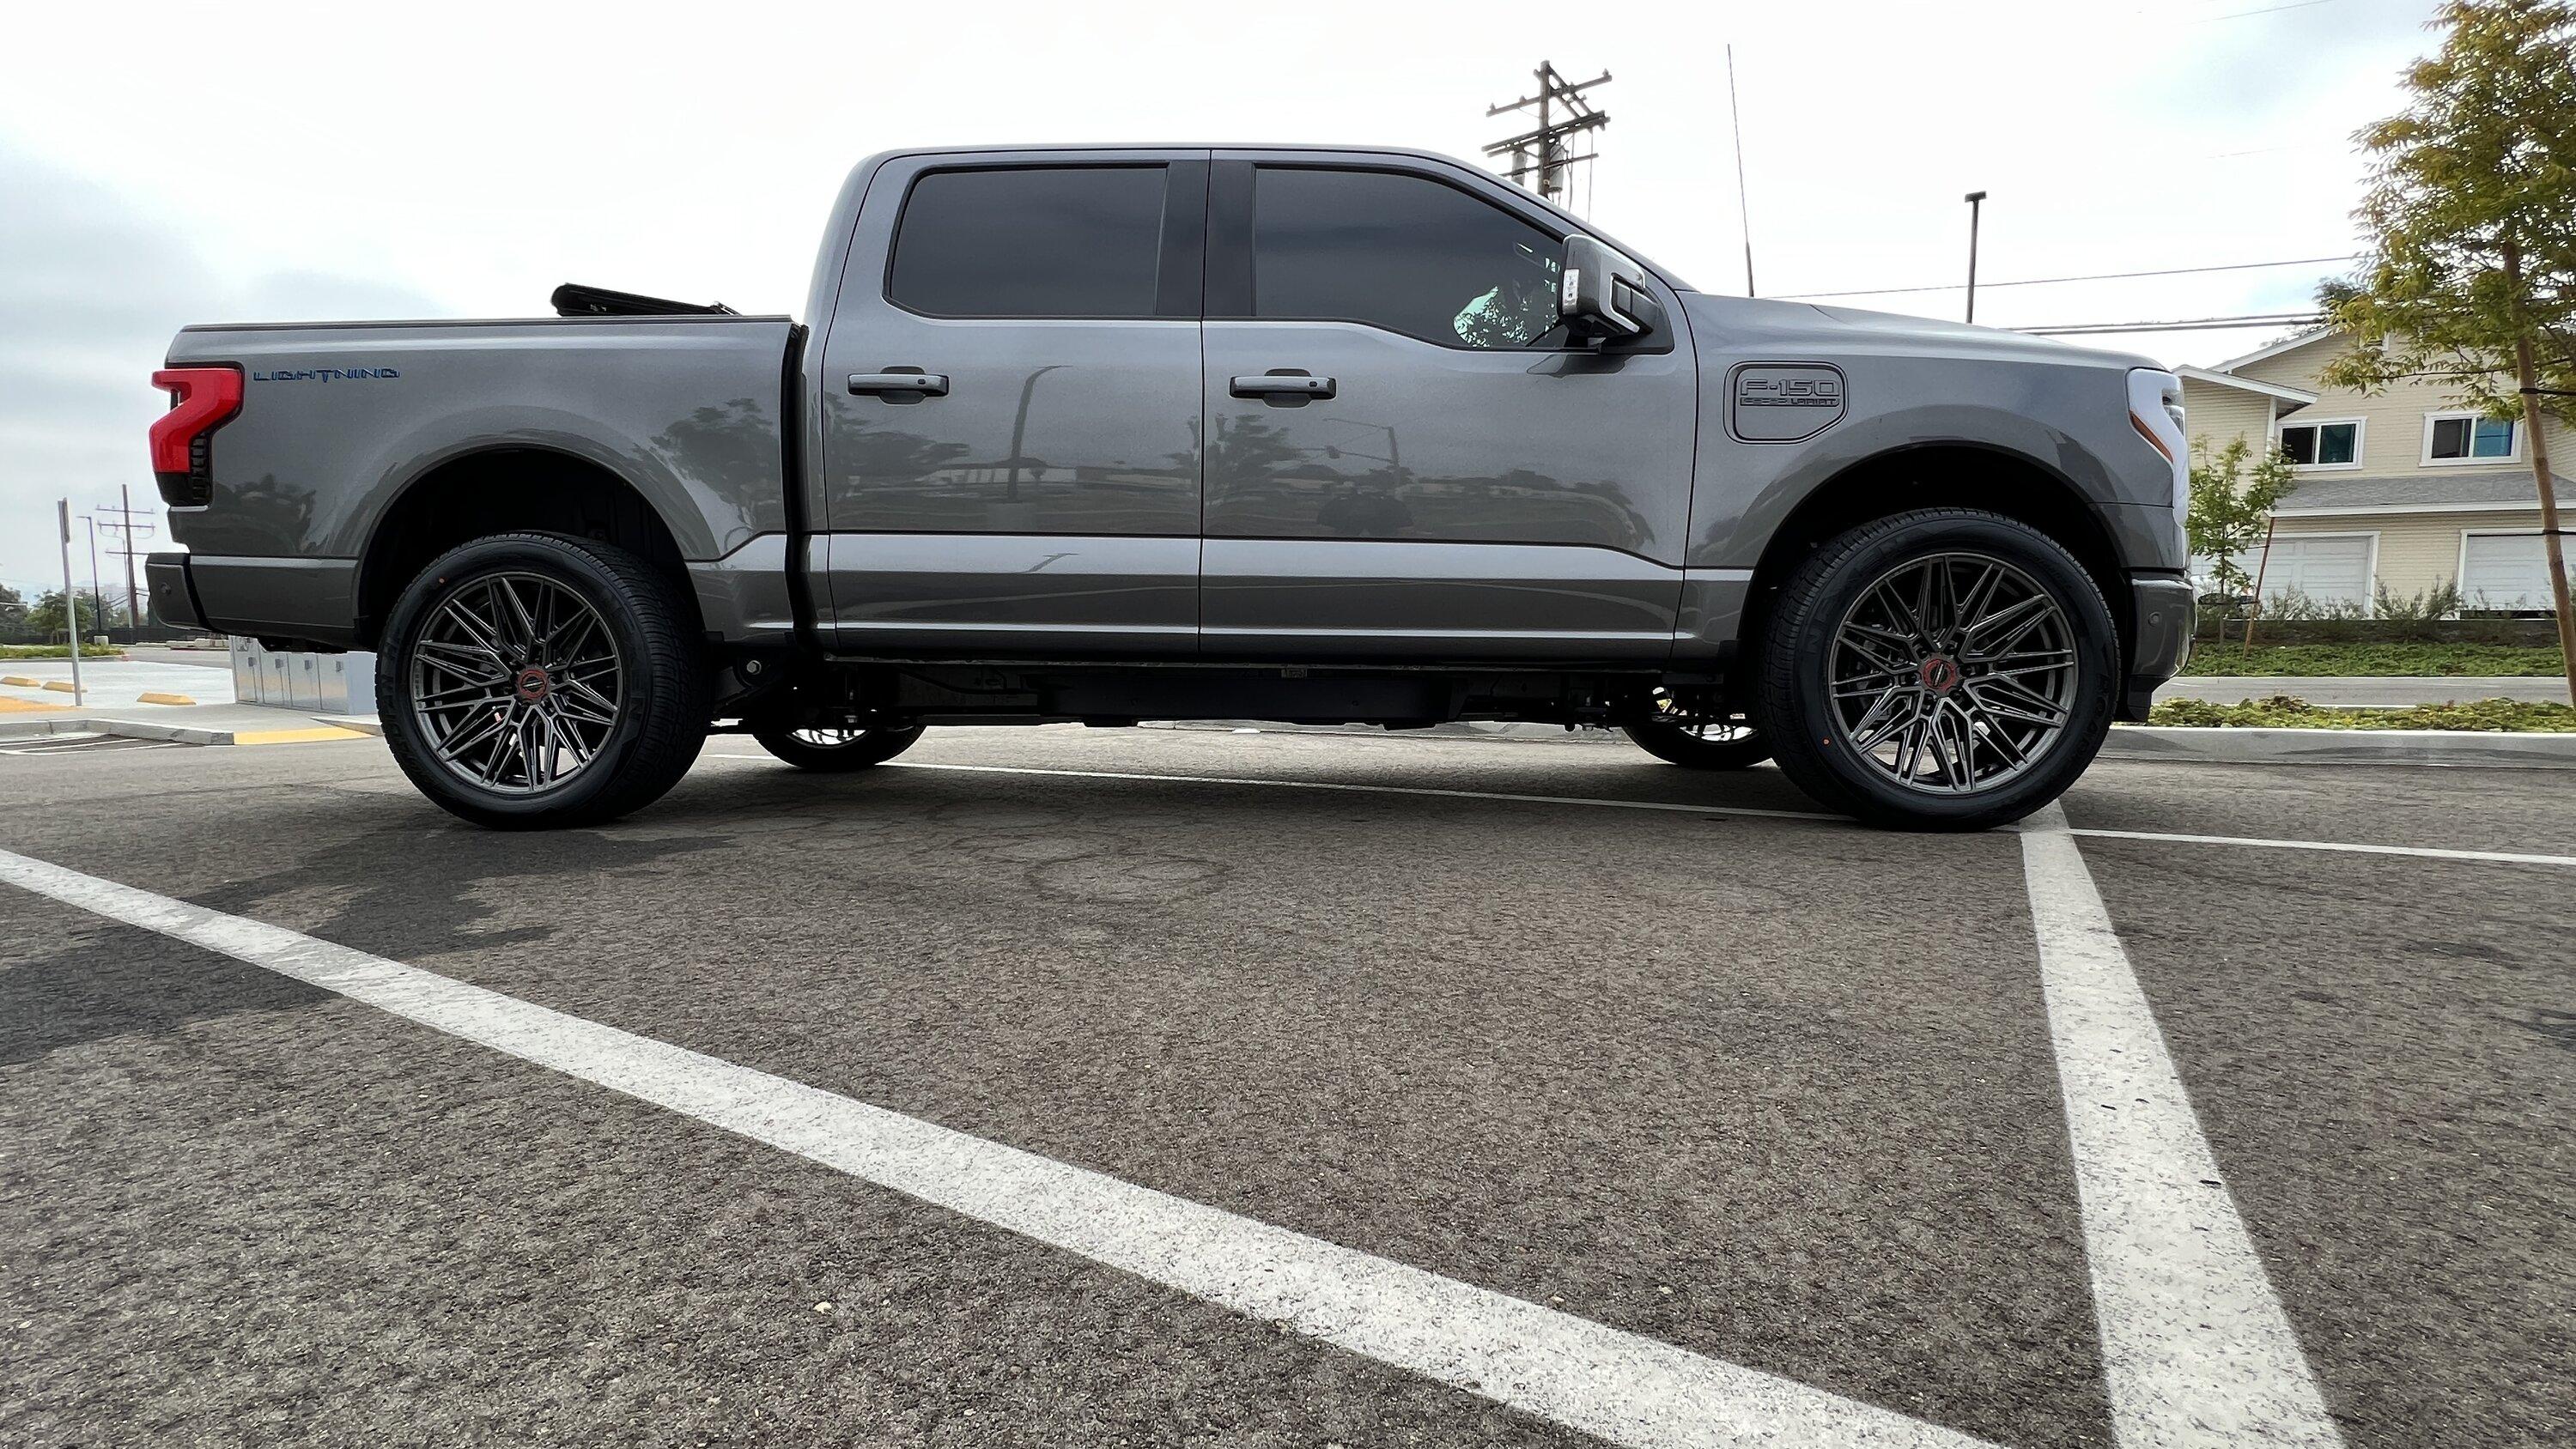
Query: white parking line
x,y
2195,1347
1620,1386
2505,857
2430,852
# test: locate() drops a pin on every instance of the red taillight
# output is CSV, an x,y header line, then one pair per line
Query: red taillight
x,y
202,400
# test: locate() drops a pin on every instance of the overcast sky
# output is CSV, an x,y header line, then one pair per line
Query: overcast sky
x,y
169,164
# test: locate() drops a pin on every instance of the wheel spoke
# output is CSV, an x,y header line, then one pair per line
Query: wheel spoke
x,y
2022,704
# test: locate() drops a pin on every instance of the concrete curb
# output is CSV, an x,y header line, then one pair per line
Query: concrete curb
x,y
178,734
2491,750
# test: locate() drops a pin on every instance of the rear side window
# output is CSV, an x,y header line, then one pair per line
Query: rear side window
x,y
1041,242
1405,253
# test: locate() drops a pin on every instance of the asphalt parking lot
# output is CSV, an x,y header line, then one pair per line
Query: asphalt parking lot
x,y
1153,1087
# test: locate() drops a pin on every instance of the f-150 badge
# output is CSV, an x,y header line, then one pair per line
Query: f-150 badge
x,y
1783,402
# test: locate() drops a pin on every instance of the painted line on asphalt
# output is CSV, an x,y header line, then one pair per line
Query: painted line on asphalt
x,y
1620,1386
2196,1348
1665,805
2505,857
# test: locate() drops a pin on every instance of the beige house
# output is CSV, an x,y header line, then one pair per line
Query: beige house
x,y
2404,492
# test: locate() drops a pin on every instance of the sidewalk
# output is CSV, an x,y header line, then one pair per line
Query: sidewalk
x,y
199,724
113,683
2367,692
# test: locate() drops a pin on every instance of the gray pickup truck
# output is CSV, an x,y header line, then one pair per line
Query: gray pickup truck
x,y
1123,433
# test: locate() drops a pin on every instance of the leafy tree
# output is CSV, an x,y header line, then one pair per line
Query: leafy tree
x,y
46,615
2471,275
13,605
2232,503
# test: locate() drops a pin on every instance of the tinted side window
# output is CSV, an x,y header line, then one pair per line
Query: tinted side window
x,y
1402,252
1041,242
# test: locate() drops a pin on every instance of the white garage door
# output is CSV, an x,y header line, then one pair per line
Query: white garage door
x,y
2504,571
2327,570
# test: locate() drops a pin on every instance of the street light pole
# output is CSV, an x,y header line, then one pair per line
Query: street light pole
x,y
97,593
71,601
1976,200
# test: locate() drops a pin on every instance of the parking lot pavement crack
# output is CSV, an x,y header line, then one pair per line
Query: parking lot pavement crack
x,y
2195,1344
1621,1386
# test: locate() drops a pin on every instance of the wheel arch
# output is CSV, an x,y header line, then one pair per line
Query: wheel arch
x,y
503,489
1948,474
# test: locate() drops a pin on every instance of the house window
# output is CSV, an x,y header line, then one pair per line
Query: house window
x,y
2323,445
2468,438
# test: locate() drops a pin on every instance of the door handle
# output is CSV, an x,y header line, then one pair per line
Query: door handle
x,y
1281,384
872,384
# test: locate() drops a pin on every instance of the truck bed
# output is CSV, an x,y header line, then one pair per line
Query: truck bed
x,y
340,423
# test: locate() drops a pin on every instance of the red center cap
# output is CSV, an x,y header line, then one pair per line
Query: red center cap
x,y
1940,674
531,684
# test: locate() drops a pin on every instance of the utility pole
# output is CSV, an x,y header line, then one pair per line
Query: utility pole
x,y
1539,157
1976,203
125,528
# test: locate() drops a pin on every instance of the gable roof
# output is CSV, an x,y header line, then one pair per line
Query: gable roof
x,y
2296,397
2291,343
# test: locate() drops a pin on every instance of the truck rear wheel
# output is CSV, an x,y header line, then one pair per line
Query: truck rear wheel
x,y
830,750
1696,733
529,680
1945,669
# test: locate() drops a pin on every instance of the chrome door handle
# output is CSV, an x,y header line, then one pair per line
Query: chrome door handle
x,y
871,384
1281,384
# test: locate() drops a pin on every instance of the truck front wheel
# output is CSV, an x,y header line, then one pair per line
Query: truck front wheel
x,y
1944,669
529,680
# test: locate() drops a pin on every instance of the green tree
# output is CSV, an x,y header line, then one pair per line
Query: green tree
x,y
2233,493
2471,213
46,615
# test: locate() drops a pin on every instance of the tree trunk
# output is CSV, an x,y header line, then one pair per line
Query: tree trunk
x,y
2527,378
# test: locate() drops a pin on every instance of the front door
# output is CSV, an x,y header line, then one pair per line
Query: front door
x,y
1404,460
1010,408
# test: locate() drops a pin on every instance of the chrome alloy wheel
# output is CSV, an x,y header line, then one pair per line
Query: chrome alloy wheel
x,y
828,739
516,683
1953,673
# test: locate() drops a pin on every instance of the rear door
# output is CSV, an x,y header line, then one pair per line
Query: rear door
x,y
1037,491
1405,460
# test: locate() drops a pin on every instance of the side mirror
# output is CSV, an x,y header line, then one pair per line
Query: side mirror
x,y
1603,296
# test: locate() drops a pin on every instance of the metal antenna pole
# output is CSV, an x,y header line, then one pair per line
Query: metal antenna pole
x,y
1743,202
1976,204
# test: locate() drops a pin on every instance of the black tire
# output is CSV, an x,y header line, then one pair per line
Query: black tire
x,y
1676,745
1810,737
863,748
664,684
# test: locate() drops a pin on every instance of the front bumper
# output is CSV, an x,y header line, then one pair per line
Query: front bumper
x,y
2163,615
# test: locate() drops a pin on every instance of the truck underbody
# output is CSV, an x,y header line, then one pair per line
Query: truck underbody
x,y
901,693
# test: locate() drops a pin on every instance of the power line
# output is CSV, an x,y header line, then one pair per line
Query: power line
x,y
2095,277
2267,10
2189,324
